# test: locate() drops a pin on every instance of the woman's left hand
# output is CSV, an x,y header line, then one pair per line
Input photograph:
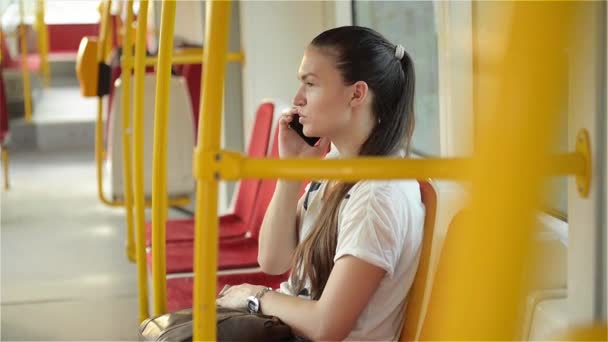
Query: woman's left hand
x,y
235,297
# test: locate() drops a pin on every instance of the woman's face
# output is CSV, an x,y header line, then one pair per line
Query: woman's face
x,y
322,100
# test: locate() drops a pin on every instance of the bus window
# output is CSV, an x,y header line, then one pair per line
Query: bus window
x,y
412,24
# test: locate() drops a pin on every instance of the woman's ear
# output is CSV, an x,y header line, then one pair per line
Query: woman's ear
x,y
360,92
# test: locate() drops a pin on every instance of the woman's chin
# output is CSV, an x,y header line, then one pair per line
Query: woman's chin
x,y
309,132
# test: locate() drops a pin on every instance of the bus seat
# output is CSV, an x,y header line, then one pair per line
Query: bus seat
x,y
180,143
14,64
414,312
443,274
236,223
192,74
179,290
232,253
115,73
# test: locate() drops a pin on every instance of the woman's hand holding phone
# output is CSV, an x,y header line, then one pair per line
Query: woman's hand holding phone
x,y
292,145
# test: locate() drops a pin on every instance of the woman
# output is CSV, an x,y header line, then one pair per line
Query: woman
x,y
353,248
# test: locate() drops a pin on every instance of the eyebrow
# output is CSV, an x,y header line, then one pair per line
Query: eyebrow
x,y
304,76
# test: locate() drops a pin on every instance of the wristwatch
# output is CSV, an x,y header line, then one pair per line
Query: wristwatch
x,y
253,302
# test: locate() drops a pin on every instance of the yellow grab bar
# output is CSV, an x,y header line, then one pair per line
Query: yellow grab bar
x,y
43,42
210,124
27,88
196,58
127,62
229,165
138,160
159,168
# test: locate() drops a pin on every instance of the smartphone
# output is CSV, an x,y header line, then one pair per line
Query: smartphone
x,y
297,126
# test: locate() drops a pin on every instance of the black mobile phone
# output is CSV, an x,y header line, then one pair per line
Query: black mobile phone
x,y
297,126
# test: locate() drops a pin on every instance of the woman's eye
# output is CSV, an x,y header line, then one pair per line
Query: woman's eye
x,y
308,84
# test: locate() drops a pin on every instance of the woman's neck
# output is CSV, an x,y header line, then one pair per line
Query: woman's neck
x,y
350,140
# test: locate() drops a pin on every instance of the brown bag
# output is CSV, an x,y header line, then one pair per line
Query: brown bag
x,y
232,325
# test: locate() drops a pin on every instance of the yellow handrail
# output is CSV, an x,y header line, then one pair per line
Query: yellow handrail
x,y
230,165
195,58
138,160
43,42
125,76
210,123
5,161
159,168
104,30
27,88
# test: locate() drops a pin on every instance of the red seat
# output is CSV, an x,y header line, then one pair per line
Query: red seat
x,y
192,74
239,253
179,290
32,61
66,37
183,230
233,253
237,223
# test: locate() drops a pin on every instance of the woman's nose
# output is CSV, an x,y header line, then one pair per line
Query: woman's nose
x,y
299,99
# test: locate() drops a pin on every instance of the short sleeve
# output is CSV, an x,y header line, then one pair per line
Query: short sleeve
x,y
371,226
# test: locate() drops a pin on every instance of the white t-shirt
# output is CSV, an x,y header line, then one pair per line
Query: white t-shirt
x,y
380,222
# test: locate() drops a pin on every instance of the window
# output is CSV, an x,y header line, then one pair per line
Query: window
x,y
412,24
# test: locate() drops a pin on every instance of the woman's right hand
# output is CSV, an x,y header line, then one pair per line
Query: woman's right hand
x,y
291,145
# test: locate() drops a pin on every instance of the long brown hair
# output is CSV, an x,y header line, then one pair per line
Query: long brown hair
x,y
361,54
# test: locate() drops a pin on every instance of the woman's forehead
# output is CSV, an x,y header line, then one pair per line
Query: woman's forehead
x,y
315,63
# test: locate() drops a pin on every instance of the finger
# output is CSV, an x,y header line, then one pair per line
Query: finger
x,y
219,302
285,119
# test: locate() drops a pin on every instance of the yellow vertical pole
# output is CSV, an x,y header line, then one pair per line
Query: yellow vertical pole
x,y
43,42
27,91
5,161
138,159
127,62
524,68
104,36
159,161
210,125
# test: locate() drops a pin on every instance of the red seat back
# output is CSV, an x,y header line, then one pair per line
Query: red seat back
x,y
192,73
7,60
266,191
246,196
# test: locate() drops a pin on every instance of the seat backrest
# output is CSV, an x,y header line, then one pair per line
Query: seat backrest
x,y
442,282
180,139
413,314
6,53
246,195
266,191
193,73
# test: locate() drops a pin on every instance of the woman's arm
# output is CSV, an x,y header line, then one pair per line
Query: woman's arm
x,y
350,286
278,238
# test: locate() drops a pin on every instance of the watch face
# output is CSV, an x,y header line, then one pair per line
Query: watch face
x,y
252,304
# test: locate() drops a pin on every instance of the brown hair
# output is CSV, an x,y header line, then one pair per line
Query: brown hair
x,y
361,54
